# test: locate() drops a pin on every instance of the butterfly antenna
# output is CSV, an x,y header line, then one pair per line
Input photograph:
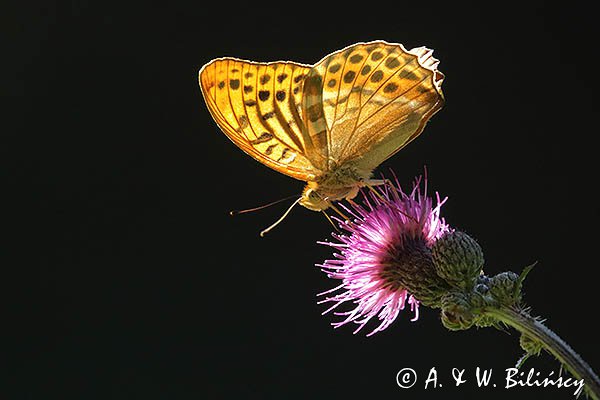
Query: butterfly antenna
x,y
265,231
236,212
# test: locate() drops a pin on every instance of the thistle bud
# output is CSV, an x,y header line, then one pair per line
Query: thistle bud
x,y
458,259
503,288
456,311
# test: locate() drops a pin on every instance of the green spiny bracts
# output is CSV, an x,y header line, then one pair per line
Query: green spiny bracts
x,y
458,259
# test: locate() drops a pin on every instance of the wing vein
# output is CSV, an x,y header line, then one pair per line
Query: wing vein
x,y
282,121
354,129
239,129
381,85
388,103
246,107
350,92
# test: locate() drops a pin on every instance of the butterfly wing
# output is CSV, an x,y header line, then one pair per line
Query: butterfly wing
x,y
257,105
375,98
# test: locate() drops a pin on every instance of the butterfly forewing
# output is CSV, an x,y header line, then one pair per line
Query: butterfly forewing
x,y
257,105
376,98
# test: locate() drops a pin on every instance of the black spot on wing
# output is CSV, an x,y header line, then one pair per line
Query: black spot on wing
x,y
268,115
392,62
349,76
376,55
355,59
269,149
263,95
404,74
264,137
334,68
377,76
390,87
281,77
285,154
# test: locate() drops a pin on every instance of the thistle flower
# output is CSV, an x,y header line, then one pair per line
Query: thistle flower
x,y
395,250
384,260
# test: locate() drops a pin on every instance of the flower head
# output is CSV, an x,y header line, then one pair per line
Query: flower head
x,y
384,260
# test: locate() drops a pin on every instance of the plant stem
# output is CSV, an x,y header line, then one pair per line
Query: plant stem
x,y
534,329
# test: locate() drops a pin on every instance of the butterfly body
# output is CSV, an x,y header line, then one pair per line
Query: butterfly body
x,y
339,182
329,124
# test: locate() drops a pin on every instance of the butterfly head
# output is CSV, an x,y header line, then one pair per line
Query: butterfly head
x,y
312,199
318,198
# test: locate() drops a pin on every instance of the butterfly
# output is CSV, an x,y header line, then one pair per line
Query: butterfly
x,y
329,124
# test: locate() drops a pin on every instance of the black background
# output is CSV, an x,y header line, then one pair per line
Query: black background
x,y
126,277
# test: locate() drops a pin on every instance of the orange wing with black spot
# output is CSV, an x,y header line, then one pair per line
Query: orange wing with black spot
x,y
257,105
369,100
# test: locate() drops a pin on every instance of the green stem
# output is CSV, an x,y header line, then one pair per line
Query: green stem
x,y
534,329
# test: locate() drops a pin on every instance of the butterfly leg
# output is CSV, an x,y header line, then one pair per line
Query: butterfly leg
x,y
376,182
337,210
386,200
331,222
371,183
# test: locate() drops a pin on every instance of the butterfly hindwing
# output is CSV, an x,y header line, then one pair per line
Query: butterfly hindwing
x,y
257,105
376,98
